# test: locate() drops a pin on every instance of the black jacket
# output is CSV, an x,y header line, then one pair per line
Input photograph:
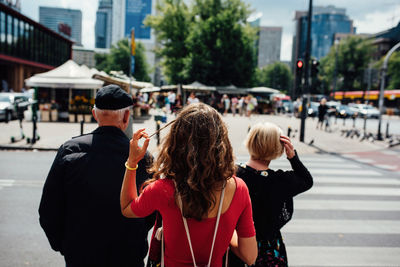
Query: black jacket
x,y
80,206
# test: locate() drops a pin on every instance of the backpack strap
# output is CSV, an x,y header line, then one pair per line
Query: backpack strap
x,y
215,230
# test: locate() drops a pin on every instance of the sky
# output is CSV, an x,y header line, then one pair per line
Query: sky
x,y
369,16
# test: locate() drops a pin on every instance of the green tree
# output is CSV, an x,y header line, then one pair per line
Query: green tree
x,y
276,75
394,71
353,55
119,60
171,28
211,42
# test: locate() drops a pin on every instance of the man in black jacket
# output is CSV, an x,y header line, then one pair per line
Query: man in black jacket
x,y
80,209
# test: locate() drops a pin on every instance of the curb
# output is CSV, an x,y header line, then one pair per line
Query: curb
x,y
27,148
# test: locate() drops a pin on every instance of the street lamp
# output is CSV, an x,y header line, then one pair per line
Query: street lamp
x,y
381,93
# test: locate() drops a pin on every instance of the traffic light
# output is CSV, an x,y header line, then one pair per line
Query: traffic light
x,y
314,68
299,66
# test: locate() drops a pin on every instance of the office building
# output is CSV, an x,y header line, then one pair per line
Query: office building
x,y
67,22
14,4
269,45
326,22
103,28
83,56
385,40
27,48
125,15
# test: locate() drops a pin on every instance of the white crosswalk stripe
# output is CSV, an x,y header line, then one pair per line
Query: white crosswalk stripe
x,y
351,216
11,183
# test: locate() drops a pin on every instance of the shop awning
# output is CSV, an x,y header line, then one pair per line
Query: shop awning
x,y
68,75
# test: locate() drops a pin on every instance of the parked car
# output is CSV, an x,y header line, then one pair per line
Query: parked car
x,y
344,111
288,107
366,111
313,109
9,103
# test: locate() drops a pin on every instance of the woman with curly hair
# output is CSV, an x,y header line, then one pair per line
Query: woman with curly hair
x,y
195,191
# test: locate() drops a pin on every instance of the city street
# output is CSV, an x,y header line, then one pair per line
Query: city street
x,y
351,217
353,210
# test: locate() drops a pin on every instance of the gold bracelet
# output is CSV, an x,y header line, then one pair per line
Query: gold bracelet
x,y
130,168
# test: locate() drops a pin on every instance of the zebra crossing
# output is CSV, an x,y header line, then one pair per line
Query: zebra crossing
x,y
350,217
4,183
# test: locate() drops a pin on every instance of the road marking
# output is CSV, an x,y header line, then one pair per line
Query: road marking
x,y
311,165
326,171
10,182
389,167
343,190
329,226
343,256
6,182
354,180
353,205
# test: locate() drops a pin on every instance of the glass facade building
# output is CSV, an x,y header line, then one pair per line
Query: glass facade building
x,y
67,22
326,22
103,26
136,12
26,47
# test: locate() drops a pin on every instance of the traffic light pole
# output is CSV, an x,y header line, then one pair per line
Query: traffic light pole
x,y
306,87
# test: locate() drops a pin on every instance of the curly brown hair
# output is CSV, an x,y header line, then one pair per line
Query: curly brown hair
x,y
198,156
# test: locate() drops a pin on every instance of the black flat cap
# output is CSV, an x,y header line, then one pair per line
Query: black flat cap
x,y
112,97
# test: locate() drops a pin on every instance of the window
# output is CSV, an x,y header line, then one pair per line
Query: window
x,y
2,31
9,34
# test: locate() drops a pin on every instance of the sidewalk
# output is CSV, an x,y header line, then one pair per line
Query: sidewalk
x,y
53,134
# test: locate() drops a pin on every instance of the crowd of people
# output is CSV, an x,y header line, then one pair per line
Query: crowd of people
x,y
103,191
172,102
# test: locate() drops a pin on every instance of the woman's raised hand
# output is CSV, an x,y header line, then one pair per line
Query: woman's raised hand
x,y
136,153
289,149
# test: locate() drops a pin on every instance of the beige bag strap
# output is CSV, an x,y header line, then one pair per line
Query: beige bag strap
x,y
215,230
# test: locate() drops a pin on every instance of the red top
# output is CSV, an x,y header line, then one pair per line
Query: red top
x,y
160,196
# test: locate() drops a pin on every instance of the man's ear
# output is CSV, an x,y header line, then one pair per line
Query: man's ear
x,y
94,114
127,113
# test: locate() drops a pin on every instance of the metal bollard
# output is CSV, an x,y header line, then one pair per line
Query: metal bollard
x,y
82,122
289,131
158,131
387,130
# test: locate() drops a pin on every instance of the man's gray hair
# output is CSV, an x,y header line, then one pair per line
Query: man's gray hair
x,y
118,112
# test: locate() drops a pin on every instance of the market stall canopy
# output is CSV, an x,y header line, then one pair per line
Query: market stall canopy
x,y
231,90
68,75
196,86
122,81
263,90
150,90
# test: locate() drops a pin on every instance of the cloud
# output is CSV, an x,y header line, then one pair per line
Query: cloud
x,y
378,21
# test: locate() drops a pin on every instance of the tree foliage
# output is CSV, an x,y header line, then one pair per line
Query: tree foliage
x,y
353,56
394,71
209,42
276,75
119,60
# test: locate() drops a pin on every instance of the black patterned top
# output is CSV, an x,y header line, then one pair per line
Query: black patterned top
x,y
271,195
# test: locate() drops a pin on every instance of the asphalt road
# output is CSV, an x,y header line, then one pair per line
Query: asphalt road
x,y
349,218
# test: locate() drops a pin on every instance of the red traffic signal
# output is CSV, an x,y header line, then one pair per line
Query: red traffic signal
x,y
299,64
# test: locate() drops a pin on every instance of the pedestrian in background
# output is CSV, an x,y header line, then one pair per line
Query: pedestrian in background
x,y
322,114
226,103
234,104
192,99
271,191
79,209
193,184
